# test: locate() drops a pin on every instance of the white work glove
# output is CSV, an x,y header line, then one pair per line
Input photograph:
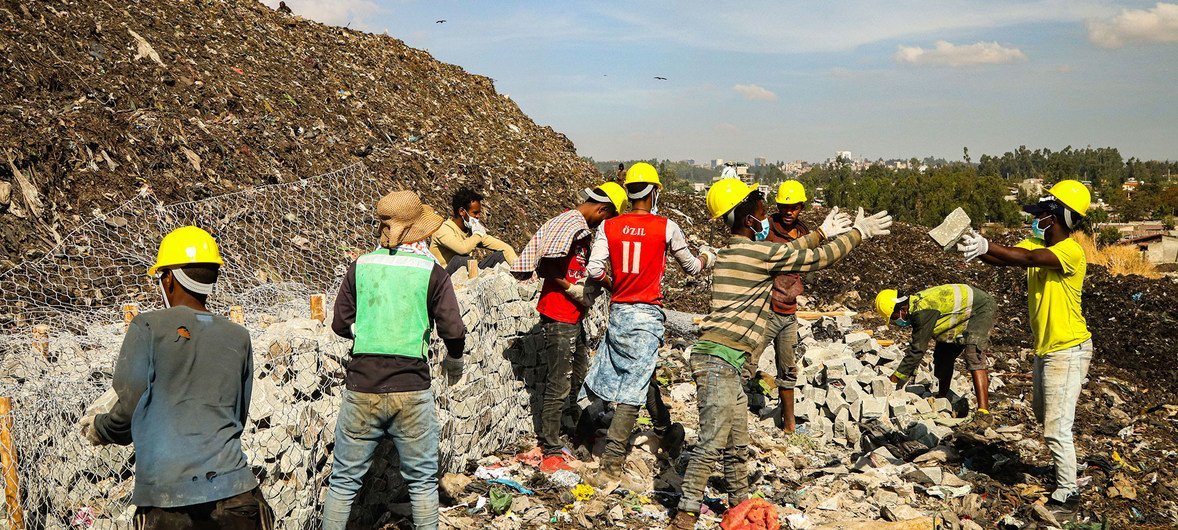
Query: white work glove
x,y
836,223
476,227
453,368
973,245
874,225
709,256
577,292
88,431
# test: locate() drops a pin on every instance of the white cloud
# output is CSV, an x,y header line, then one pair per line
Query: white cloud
x,y
351,13
1159,24
755,93
948,54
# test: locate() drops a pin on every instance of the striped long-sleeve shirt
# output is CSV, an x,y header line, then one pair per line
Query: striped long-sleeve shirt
x,y
743,279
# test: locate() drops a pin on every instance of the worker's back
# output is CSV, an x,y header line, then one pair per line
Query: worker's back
x,y
193,372
637,252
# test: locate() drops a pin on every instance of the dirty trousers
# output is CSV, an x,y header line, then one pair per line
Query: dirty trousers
x,y
723,432
626,416
1057,379
565,359
784,330
247,511
410,420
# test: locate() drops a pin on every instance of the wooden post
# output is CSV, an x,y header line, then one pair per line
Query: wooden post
x,y
130,311
41,340
317,308
16,517
472,269
236,314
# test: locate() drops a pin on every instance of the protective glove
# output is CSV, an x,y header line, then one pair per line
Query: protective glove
x,y
576,291
835,224
709,256
476,227
453,368
874,225
973,245
89,432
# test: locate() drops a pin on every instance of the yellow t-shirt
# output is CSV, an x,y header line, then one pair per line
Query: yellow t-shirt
x,y
1053,297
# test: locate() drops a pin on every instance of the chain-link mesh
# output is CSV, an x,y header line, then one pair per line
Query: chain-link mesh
x,y
63,324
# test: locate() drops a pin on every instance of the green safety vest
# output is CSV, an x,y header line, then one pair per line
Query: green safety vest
x,y
392,317
953,301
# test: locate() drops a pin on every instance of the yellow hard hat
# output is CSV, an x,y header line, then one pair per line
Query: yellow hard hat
x,y
725,194
617,195
643,173
791,192
185,246
1072,194
885,302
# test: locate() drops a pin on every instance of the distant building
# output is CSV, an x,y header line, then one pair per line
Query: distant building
x,y
1158,248
1131,185
717,162
1031,187
699,187
689,161
763,189
845,155
760,162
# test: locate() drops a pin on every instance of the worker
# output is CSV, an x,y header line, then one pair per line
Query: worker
x,y
635,247
388,302
463,232
785,226
558,254
183,379
959,317
1056,267
736,327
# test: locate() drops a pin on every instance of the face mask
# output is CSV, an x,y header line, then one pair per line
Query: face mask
x,y
902,323
1037,230
764,232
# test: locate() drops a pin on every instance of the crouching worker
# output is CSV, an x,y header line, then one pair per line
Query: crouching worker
x,y
184,375
960,318
737,326
389,301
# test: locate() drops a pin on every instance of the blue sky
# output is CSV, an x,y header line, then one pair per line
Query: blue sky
x,y
800,80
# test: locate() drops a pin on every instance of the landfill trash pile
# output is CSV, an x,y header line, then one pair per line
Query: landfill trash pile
x,y
202,98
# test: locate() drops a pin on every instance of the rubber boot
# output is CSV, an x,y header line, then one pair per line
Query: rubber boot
x,y
609,472
787,409
671,442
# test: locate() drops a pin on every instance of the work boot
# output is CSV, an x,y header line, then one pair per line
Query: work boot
x,y
610,472
671,442
683,521
787,410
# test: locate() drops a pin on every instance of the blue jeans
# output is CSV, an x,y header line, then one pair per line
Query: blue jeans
x,y
410,419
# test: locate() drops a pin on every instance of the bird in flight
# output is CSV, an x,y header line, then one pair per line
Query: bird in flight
x,y
443,21
660,78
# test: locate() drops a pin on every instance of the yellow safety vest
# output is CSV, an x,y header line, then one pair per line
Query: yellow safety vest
x,y
954,302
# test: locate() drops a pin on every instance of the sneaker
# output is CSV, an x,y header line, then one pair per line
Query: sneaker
x,y
1070,504
671,442
554,463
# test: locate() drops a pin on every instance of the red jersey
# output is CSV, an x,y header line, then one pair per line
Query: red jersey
x,y
637,257
554,301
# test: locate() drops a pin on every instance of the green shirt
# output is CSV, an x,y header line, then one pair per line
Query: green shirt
x,y
734,357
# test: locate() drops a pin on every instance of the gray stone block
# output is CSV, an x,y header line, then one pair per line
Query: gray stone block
x,y
872,407
949,232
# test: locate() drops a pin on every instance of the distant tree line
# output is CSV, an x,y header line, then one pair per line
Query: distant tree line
x,y
979,187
